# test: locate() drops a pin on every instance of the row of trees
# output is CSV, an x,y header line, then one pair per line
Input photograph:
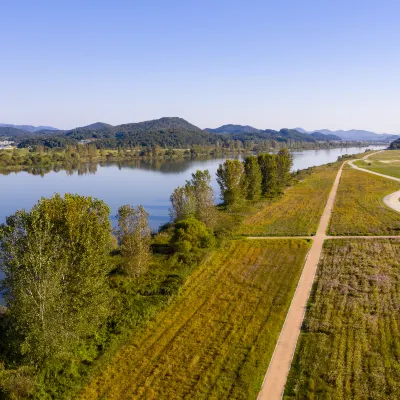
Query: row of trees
x,y
266,174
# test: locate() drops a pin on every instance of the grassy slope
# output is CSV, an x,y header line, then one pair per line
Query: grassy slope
x,y
216,340
350,344
359,207
298,211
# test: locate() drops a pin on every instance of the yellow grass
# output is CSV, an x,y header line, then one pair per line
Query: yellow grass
x,y
215,341
298,211
359,207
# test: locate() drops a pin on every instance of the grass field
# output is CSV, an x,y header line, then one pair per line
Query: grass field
x,y
386,155
359,207
298,211
383,166
349,347
215,341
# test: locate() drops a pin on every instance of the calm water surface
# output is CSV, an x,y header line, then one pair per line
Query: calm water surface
x,y
146,183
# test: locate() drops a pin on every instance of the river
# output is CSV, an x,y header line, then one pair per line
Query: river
x,y
147,183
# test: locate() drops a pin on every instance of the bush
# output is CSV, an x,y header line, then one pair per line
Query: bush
x,y
191,234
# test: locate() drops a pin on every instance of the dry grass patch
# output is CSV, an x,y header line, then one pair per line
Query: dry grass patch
x,y
215,341
298,211
359,207
349,347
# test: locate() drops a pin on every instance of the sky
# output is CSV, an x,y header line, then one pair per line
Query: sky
x,y
271,64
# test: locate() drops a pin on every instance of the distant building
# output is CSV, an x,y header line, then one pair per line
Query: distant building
x,y
6,144
85,141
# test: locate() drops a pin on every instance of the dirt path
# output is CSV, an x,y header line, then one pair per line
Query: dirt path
x,y
275,378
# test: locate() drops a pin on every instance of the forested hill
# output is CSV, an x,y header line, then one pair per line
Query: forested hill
x,y
230,128
165,132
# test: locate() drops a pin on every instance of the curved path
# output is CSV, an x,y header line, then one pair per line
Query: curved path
x,y
278,369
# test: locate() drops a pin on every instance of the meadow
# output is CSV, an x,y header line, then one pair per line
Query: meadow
x,y
359,207
383,166
216,339
349,347
298,211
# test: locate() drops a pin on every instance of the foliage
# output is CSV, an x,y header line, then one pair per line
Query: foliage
x,y
216,340
284,163
349,344
134,236
395,145
253,178
359,207
203,193
55,261
195,199
191,234
230,178
269,171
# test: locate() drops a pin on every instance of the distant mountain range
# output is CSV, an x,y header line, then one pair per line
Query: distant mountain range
x,y
355,134
29,128
320,134
173,132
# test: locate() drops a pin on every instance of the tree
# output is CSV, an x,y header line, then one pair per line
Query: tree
x,y
284,162
195,199
269,173
253,178
183,203
134,236
200,186
56,262
230,180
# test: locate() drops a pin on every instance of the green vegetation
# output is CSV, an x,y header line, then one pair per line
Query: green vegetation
x,y
195,199
299,209
349,347
252,171
216,340
134,237
395,145
266,174
386,163
359,207
231,180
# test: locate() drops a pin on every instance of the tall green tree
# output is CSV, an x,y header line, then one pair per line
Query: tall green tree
x,y
183,203
269,172
195,199
253,178
134,236
200,186
230,178
284,163
56,263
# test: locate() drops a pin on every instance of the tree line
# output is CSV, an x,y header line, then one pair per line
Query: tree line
x,y
262,175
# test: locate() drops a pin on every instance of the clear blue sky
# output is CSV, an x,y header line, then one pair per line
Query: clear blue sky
x,y
271,64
